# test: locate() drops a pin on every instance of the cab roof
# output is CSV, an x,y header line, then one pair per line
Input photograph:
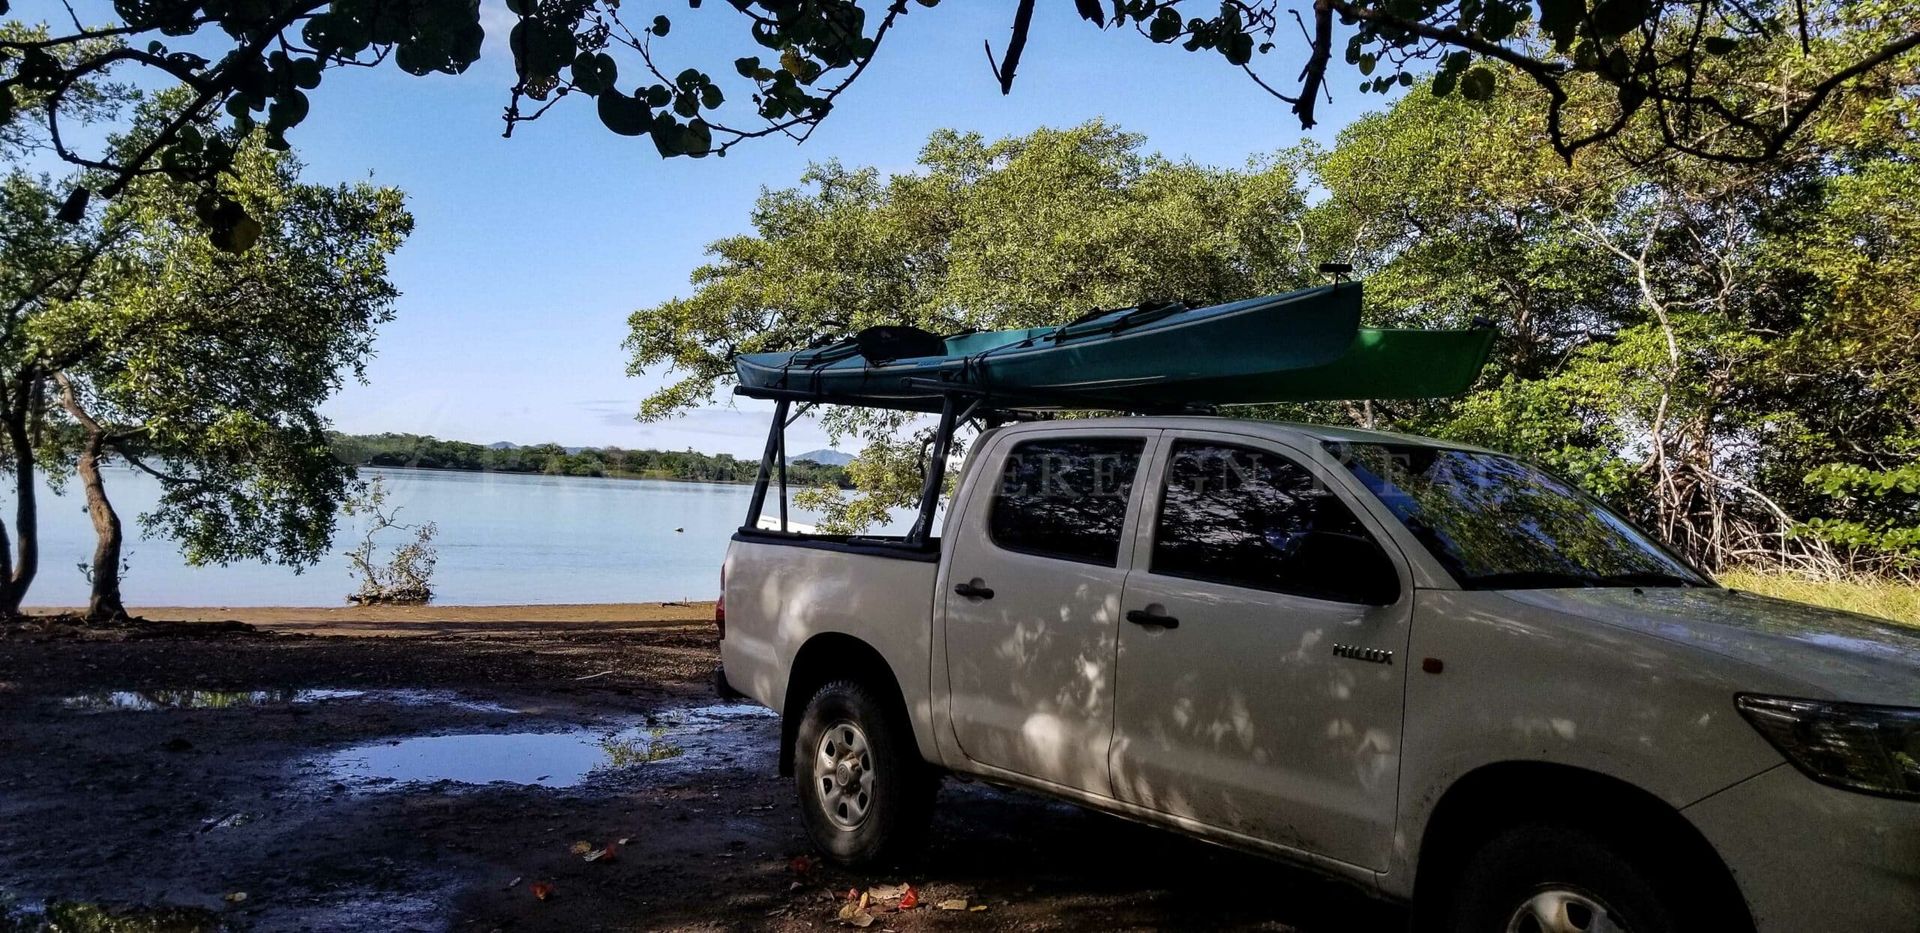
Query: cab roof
x,y
1314,432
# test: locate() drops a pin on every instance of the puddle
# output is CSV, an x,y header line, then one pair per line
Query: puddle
x,y
548,759
62,916
149,700
143,701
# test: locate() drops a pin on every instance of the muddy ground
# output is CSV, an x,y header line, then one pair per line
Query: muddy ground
x,y
366,772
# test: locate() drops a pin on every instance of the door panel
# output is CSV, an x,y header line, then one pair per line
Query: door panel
x,y
1030,667
1243,716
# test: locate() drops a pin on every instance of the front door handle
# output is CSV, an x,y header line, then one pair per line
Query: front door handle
x,y
974,589
1143,617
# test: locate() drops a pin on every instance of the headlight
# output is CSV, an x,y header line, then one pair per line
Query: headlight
x,y
1870,749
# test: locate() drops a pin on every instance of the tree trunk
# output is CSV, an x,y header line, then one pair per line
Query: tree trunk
x,y
103,604
26,525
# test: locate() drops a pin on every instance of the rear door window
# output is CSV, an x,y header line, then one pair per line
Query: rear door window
x,y
1065,498
1254,518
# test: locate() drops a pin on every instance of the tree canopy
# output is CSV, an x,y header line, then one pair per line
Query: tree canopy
x,y
1723,350
133,336
1678,69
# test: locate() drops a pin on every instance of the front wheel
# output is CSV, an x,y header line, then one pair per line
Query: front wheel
x,y
865,795
1546,878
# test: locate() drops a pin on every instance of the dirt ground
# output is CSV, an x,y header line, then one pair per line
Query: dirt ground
x,y
439,769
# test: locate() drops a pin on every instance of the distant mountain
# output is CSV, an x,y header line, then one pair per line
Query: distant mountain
x,y
825,457
509,445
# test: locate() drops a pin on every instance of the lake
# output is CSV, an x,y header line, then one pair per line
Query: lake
x,y
505,538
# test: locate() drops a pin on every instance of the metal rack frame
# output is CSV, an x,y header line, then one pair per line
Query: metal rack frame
x,y
956,404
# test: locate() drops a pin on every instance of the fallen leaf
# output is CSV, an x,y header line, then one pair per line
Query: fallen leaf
x,y
977,908
581,848
958,903
625,839
237,897
542,889
603,855
855,913
800,865
514,883
910,900
886,892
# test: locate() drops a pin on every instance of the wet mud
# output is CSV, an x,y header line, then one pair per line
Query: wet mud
x,y
533,777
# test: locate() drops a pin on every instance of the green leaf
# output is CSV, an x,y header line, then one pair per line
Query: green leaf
x,y
747,67
666,134
698,138
660,25
1165,26
239,236
1477,83
287,110
627,116
541,49
306,73
1613,18
594,73
1367,63
1501,19
1560,20
1239,49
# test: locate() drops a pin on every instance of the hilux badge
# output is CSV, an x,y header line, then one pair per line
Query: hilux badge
x,y
1371,655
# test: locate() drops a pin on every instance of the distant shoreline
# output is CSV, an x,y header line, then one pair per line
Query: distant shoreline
x,y
424,620
422,452
617,476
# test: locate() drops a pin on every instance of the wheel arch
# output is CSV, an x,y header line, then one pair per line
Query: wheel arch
x,y
826,657
1518,791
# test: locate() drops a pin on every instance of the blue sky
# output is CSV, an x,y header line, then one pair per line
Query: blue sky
x,y
529,253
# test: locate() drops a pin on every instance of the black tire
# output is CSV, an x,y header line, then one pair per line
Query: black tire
x,y
865,824
1566,868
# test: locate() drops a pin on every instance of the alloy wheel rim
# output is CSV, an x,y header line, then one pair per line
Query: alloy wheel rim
x,y
843,775
1563,910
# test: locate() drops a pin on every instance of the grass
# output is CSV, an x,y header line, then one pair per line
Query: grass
x,y
1888,599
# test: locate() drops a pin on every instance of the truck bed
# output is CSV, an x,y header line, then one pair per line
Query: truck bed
x,y
786,591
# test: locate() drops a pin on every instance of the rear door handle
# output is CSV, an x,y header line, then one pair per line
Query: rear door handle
x,y
1143,617
973,590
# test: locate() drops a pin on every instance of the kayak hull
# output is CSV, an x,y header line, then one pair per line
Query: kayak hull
x,y
1301,346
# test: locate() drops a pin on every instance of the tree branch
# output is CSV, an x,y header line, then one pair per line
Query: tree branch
x,y
1022,21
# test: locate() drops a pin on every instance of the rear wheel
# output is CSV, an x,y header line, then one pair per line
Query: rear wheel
x,y
1548,878
865,795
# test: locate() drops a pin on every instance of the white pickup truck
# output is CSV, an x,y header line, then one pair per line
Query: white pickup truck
x,y
1434,670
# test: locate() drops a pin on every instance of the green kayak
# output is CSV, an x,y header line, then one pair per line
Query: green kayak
x,y
1298,346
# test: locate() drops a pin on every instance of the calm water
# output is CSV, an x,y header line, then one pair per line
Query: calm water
x,y
504,539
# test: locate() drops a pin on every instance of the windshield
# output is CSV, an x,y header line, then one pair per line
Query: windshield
x,y
1498,523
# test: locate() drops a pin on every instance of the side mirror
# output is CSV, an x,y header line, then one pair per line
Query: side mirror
x,y
1350,568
